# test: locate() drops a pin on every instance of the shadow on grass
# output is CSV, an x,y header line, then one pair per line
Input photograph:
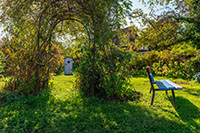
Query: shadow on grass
x,y
46,113
192,91
187,111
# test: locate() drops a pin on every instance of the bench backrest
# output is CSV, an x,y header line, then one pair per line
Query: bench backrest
x,y
150,76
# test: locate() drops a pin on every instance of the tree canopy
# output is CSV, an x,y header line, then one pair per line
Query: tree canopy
x,y
32,26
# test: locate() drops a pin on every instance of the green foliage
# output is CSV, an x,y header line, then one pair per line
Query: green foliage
x,y
186,12
182,61
192,21
112,74
20,86
29,53
125,38
38,23
99,73
2,68
160,35
20,65
64,109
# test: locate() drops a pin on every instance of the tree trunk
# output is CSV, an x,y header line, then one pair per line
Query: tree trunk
x,y
37,76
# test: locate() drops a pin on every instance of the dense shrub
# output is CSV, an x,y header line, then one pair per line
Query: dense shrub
x,y
181,61
112,74
20,66
2,68
60,68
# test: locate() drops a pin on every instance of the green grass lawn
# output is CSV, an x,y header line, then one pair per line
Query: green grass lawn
x,y
64,109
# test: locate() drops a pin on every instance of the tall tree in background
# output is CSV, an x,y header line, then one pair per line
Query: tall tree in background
x,y
186,12
160,35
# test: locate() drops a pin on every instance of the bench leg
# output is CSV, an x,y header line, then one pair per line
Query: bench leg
x,y
150,90
152,97
174,99
166,93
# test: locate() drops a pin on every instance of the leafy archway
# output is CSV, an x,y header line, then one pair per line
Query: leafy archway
x,y
37,21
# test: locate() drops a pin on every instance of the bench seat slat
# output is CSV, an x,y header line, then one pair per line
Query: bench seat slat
x,y
174,84
160,85
167,85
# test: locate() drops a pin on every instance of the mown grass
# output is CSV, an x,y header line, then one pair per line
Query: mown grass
x,y
64,109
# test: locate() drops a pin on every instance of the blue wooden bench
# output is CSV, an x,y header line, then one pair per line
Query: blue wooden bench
x,y
163,85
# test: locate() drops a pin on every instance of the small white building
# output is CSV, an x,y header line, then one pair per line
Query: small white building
x,y
68,66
